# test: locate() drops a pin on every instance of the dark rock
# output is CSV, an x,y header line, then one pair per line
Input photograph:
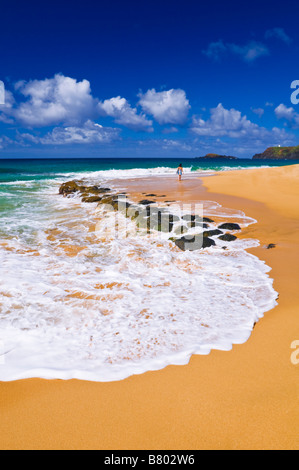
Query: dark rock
x,y
207,242
230,226
271,245
212,233
69,187
104,190
94,190
203,219
189,217
196,242
215,156
151,195
145,202
91,199
227,237
110,201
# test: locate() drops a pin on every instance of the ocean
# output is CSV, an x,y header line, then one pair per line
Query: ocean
x,y
76,301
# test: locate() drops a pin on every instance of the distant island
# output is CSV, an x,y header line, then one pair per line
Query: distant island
x,y
215,156
278,153
271,153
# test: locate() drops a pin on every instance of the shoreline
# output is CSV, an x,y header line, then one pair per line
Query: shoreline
x,y
243,398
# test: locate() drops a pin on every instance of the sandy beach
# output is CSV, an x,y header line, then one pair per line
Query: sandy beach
x,y
246,398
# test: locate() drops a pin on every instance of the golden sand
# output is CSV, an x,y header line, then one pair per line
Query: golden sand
x,y
246,398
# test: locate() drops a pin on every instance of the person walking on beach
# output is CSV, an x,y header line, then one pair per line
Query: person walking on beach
x,y
180,171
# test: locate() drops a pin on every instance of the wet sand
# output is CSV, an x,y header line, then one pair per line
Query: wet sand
x,y
246,398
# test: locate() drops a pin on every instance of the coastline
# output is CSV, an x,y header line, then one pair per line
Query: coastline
x,y
243,398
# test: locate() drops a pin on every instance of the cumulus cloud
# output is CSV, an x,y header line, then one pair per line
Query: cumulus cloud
x,y
289,114
89,133
167,107
124,114
65,101
6,110
231,123
58,100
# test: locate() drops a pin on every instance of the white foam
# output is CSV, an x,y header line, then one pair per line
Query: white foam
x,y
126,173
195,170
121,306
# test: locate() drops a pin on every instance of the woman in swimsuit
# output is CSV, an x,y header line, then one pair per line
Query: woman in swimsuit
x,y
180,171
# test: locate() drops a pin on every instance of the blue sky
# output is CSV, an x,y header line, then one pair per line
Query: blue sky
x,y
148,78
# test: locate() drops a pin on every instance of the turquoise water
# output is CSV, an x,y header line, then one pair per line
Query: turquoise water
x,y
25,170
23,181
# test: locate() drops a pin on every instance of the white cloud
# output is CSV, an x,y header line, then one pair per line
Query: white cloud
x,y
7,108
215,50
230,123
249,52
168,144
124,114
58,100
259,111
170,130
5,141
278,33
167,107
89,133
171,146
289,114
65,101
